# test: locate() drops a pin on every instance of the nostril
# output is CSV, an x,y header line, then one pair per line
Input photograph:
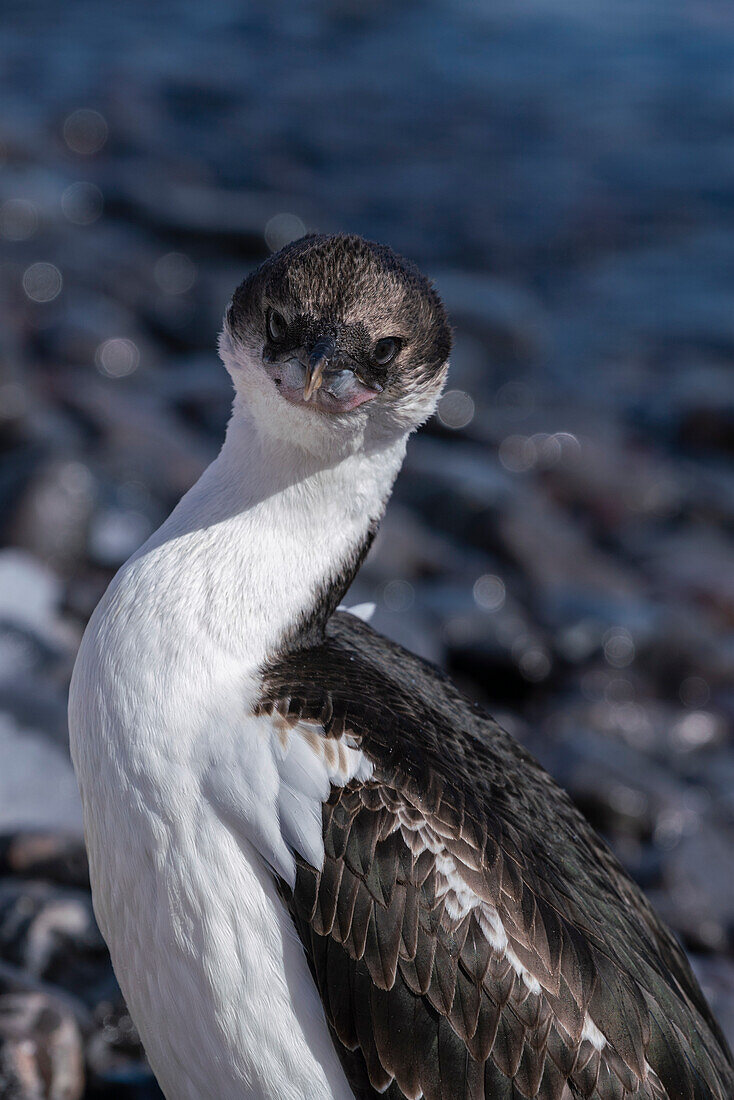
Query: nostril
x,y
324,348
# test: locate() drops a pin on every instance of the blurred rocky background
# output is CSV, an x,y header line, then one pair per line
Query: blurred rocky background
x,y
561,537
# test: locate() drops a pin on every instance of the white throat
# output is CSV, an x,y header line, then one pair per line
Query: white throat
x,y
251,548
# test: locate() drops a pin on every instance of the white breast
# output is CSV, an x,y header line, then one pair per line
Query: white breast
x,y
205,952
232,1010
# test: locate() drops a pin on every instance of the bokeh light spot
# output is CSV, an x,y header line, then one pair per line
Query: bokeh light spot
x,y
489,592
619,647
534,664
282,229
695,729
85,131
398,595
694,692
456,409
42,282
175,273
569,444
547,448
117,357
77,480
517,453
515,400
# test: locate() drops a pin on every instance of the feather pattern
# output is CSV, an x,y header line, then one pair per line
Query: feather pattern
x,y
458,952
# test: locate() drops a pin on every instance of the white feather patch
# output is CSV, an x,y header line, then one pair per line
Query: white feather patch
x,y
460,899
270,787
363,611
309,764
591,1032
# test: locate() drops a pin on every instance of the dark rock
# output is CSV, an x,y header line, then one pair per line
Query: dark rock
x,y
552,548
142,441
50,856
50,932
709,427
115,1058
405,546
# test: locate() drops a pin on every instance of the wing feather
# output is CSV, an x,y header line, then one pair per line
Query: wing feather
x,y
469,935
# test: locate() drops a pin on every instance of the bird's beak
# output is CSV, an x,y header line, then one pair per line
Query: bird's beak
x,y
321,354
314,377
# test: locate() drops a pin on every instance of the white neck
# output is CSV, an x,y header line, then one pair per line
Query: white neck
x,y
180,783
268,528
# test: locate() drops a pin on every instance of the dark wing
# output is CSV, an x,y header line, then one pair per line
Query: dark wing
x,y
469,933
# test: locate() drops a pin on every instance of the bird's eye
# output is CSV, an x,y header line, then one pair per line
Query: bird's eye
x,y
385,350
276,325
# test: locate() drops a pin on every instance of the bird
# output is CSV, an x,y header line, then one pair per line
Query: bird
x,y
321,871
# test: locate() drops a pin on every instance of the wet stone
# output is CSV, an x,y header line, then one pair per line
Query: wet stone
x,y
41,1055
51,856
116,1061
50,933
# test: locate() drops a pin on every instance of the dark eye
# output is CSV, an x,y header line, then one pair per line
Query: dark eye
x,y
386,350
276,326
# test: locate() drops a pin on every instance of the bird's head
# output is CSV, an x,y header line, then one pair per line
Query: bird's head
x,y
334,341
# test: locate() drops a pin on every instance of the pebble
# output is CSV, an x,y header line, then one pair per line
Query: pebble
x,y
49,931
53,856
41,1053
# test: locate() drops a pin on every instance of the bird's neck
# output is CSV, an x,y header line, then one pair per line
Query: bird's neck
x,y
258,553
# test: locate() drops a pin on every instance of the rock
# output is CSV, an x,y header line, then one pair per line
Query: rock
x,y
695,564
551,547
29,593
23,656
461,498
405,546
76,335
603,754
115,1058
50,933
38,789
489,639
51,520
199,388
616,482
237,217
141,440
36,648
709,427
116,533
41,1056
51,856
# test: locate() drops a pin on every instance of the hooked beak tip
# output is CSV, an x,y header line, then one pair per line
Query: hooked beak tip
x,y
314,376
